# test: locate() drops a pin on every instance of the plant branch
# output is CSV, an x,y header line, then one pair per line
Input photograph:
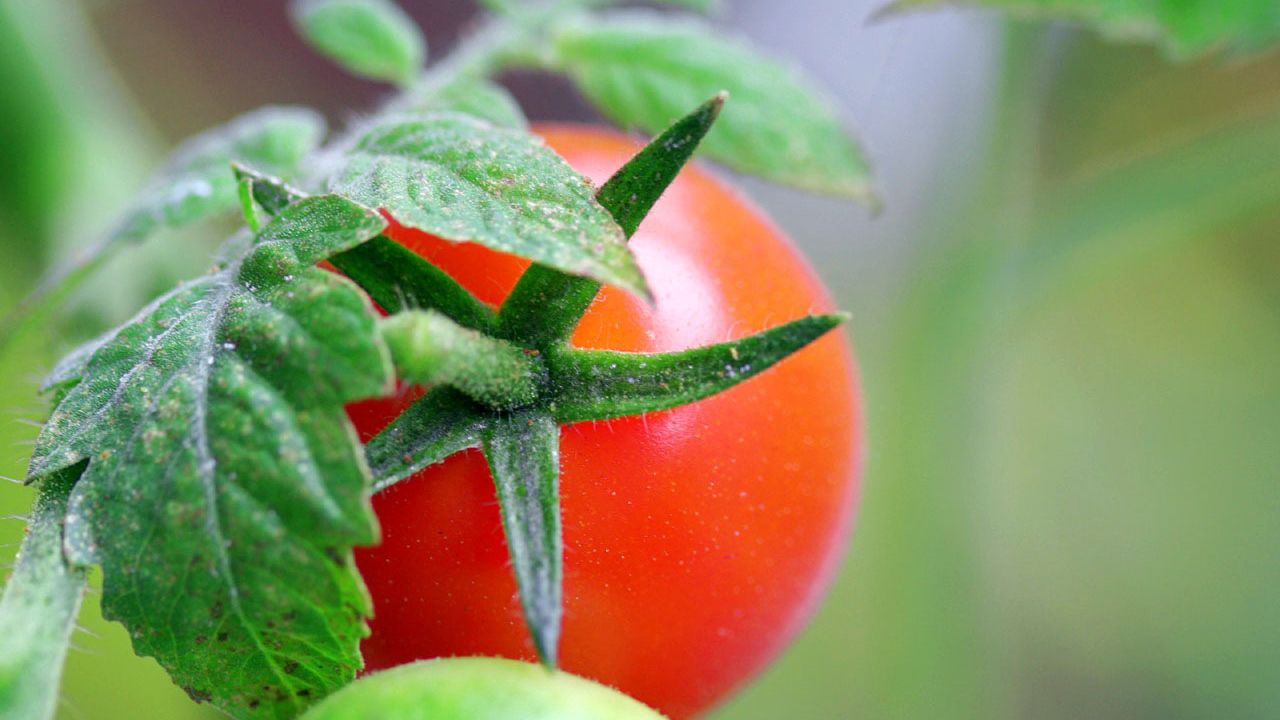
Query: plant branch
x,y
430,349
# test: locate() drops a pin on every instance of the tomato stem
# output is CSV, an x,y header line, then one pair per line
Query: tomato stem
x,y
430,349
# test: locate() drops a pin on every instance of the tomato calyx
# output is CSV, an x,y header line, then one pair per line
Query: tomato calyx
x,y
506,381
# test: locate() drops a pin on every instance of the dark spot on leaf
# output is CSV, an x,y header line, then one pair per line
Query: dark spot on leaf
x,y
201,639
291,667
222,637
304,693
215,610
198,695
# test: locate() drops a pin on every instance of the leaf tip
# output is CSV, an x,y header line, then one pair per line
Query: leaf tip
x,y
546,642
639,286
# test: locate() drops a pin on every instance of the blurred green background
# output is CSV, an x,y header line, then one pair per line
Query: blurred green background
x,y
1068,319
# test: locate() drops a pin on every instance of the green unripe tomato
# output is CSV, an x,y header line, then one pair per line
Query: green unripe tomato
x,y
477,689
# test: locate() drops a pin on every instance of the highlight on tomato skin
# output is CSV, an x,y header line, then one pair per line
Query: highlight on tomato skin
x,y
698,540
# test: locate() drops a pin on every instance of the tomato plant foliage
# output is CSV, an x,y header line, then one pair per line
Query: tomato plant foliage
x,y
200,453
223,493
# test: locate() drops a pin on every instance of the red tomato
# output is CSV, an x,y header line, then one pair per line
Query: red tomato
x,y
697,540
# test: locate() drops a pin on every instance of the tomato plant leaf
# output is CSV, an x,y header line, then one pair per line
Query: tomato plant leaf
x,y
193,184
428,348
197,180
523,450
1184,28
603,384
546,304
371,38
394,276
38,609
270,193
224,486
435,426
463,179
475,96
645,71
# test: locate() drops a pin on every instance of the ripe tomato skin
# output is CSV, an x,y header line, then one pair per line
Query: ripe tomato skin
x,y
697,540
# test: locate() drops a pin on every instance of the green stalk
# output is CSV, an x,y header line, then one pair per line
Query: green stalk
x,y
38,609
930,583
430,349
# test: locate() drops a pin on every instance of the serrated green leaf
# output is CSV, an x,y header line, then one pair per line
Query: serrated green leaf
x,y
194,183
372,38
603,384
646,70
475,96
435,426
546,304
394,276
463,179
523,450
1185,28
225,486
430,349
38,609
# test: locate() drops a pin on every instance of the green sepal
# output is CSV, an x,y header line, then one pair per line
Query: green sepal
x,y
430,349
371,38
523,450
435,426
603,384
399,279
38,609
547,304
394,276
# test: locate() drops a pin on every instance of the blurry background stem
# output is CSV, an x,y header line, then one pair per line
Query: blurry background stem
x,y
935,656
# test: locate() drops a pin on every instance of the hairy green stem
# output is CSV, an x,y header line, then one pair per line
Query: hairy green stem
x,y
38,609
429,348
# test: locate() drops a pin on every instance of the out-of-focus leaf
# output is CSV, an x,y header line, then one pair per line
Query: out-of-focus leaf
x,y
482,98
194,183
1183,27
373,38
646,71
